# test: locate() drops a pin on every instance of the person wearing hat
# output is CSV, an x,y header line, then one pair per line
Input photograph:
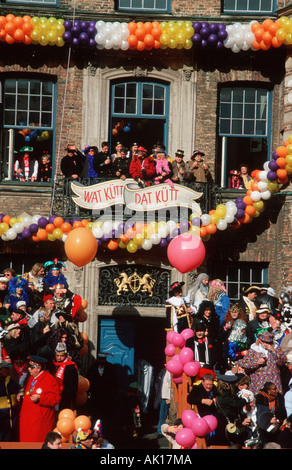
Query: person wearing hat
x,y
163,169
102,161
200,170
235,180
135,168
263,362
17,290
4,281
26,167
84,439
17,338
73,162
178,309
267,296
8,403
133,150
120,165
202,395
277,326
89,171
41,395
199,291
201,344
40,333
181,170
258,324
54,275
66,374
118,148
247,300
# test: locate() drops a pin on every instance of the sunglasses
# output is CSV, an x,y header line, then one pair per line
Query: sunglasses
x,y
32,366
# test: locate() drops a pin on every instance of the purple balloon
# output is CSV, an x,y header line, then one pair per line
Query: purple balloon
x,y
52,218
240,213
205,33
121,227
175,232
83,38
222,26
99,243
219,46
128,225
197,221
19,236
75,42
33,228
241,205
67,36
76,23
76,220
163,243
238,200
26,233
105,238
91,31
275,155
204,44
43,221
272,175
273,165
67,25
197,40
84,25
214,28
75,30
197,26
205,24
92,23
92,42
212,40
184,226
222,35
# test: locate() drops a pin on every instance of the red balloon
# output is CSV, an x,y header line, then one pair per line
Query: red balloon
x,y
186,252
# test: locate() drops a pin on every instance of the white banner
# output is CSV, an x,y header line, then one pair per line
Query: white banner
x,y
156,197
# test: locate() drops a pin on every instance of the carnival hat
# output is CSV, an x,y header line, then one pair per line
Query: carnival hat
x,y
176,285
61,348
180,153
266,337
4,279
26,149
197,152
4,364
263,309
38,359
234,172
247,290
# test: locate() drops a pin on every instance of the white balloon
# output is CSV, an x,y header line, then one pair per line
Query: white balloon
x,y
64,236
116,40
155,239
147,244
11,234
97,232
262,185
256,196
26,222
4,238
125,45
229,218
235,48
229,42
206,219
171,225
108,44
35,219
107,227
100,38
99,25
266,166
266,195
162,232
245,46
222,224
231,207
18,227
263,175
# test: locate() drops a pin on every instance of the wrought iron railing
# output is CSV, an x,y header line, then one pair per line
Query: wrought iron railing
x,y
63,203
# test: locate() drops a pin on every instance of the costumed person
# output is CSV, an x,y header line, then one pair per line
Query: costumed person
x,y
247,301
66,374
277,326
120,166
288,399
36,276
200,169
45,168
202,395
72,163
8,404
235,181
285,301
201,345
207,314
16,338
178,309
26,166
66,326
17,290
4,292
267,296
237,341
199,291
103,392
40,333
217,295
249,418
84,439
170,430
89,171
163,169
54,275
41,395
102,161
244,174
262,363
99,440
259,324
135,167
118,149
148,168
181,170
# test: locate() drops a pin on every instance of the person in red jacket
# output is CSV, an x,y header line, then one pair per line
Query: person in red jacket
x,y
41,395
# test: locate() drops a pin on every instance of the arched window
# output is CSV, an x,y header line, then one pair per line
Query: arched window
x,y
139,113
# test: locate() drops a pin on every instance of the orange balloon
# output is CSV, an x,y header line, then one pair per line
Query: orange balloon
x,y
149,40
250,210
281,173
203,232
42,234
267,24
83,384
27,40
6,219
18,21
81,399
65,426
156,32
282,151
132,26
264,46
211,228
63,438
254,186
80,246
113,245
281,162
10,17
258,33
124,238
66,413
283,180
236,226
77,224
2,35
245,219
138,227
35,238
140,33
50,228
10,27
267,38
3,21
58,221
255,26
256,45
66,227
131,233
248,200
81,316
84,303
132,40
27,27
82,422
26,18
19,35
84,222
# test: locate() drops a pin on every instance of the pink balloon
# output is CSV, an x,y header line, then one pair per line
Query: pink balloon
x,y
212,422
186,252
185,437
177,379
187,333
169,336
178,340
174,367
187,417
192,368
200,427
169,350
195,446
186,355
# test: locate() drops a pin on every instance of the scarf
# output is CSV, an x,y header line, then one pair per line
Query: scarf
x,y
61,370
271,400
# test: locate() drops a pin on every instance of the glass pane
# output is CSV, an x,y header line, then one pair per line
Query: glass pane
x,y
261,128
158,107
9,118
242,5
47,88
254,5
161,4
131,90
21,118
10,86
22,86
147,107
130,106
237,111
47,120
233,291
119,90
22,102
225,95
248,128
233,274
250,95
249,111
224,126
34,103
159,92
47,103
119,106
237,95
34,118
236,126
245,275
35,87
225,110
9,101
229,5
136,3
147,91
149,4
125,3
257,276
266,5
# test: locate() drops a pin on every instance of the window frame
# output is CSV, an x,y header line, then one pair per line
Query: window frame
x,y
249,11
34,2
144,10
8,128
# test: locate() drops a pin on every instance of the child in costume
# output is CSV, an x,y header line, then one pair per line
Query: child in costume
x,y
54,275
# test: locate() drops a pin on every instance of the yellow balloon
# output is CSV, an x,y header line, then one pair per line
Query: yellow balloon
x,y
12,221
188,44
51,237
43,41
122,245
3,227
138,239
164,39
52,36
214,219
57,233
35,20
36,35
194,230
221,211
89,225
172,43
132,247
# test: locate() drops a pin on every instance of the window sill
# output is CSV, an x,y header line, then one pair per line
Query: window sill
x,y
26,186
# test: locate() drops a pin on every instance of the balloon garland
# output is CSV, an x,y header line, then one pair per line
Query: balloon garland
x,y
147,35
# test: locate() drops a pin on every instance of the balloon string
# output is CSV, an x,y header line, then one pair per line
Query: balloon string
x,y
63,114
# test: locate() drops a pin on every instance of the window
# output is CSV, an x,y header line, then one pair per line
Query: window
x,y
145,5
28,121
35,2
249,6
139,113
242,275
244,128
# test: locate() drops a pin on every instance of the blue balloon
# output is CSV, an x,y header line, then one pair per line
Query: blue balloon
x,y
27,138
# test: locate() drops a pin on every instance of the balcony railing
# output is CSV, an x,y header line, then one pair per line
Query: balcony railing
x,y
64,205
